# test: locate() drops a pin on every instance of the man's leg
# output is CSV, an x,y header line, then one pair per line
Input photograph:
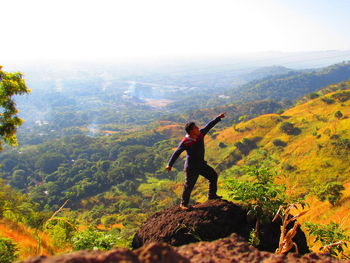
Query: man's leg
x,y
191,179
209,173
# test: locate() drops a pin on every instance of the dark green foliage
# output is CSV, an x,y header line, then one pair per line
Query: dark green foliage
x,y
245,146
222,145
332,88
328,235
327,100
341,96
288,167
338,114
79,166
342,144
129,187
329,191
313,95
289,128
49,162
19,179
8,250
278,142
230,160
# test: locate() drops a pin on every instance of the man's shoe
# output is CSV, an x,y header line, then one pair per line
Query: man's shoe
x,y
215,197
184,207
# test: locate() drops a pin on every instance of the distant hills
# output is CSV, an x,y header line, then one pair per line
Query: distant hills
x,y
280,84
292,85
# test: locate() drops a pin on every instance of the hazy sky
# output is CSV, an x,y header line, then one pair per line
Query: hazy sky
x,y
156,28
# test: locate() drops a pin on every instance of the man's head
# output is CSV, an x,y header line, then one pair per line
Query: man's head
x,y
191,128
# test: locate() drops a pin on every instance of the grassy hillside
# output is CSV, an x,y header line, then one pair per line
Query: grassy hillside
x,y
316,150
310,152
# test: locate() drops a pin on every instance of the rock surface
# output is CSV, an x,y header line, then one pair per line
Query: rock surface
x,y
209,221
233,249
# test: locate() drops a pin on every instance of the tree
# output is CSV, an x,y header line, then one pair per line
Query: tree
x,y
10,84
49,162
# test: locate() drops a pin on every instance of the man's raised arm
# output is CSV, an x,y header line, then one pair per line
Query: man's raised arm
x,y
212,123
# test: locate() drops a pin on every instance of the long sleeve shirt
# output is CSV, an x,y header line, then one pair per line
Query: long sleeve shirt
x,y
194,148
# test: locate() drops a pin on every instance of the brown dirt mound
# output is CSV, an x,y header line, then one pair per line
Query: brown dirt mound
x,y
232,249
235,249
208,221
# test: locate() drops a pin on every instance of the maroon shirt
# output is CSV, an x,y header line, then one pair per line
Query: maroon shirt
x,y
194,148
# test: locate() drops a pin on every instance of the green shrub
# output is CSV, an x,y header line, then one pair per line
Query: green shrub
x,y
329,191
8,250
93,239
341,96
327,100
288,167
61,230
260,194
313,95
288,128
342,143
222,145
331,236
246,145
278,142
338,114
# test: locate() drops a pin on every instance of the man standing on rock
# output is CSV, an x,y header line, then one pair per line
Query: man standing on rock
x,y
195,165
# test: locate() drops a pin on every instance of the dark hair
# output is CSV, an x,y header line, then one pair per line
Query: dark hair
x,y
189,126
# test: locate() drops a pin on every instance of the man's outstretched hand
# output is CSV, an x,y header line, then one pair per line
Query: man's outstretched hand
x,y
222,115
168,168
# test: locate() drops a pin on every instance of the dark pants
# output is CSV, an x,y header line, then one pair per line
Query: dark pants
x,y
191,178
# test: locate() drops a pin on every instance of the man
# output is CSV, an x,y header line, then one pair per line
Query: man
x,y
195,165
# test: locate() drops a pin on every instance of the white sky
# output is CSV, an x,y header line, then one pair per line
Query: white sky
x,y
77,29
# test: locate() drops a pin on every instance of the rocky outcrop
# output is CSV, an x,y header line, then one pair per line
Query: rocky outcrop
x,y
231,249
209,221
174,235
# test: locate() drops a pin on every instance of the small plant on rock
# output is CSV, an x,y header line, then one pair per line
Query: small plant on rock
x,y
259,194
